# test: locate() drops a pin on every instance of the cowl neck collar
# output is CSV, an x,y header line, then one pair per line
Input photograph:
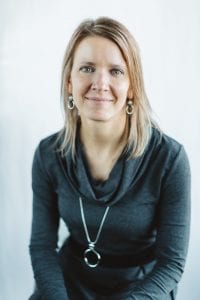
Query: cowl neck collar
x,y
124,176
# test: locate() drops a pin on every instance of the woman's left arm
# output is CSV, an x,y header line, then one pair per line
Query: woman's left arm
x,y
172,234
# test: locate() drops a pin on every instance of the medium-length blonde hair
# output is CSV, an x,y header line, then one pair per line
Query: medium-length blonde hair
x,y
140,123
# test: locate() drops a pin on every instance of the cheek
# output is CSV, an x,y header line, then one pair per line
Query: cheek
x,y
78,92
123,91
77,89
79,86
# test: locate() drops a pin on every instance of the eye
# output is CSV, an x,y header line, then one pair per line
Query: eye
x,y
87,69
117,72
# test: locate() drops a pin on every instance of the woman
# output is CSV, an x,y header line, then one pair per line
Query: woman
x,y
121,186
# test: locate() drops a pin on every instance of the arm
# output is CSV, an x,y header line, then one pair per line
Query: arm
x,y
43,244
172,233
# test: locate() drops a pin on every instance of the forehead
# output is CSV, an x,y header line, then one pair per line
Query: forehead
x,y
98,48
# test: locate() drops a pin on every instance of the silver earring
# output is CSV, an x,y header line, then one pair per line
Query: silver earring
x,y
129,107
70,103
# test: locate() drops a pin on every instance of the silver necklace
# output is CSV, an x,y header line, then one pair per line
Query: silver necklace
x,y
91,244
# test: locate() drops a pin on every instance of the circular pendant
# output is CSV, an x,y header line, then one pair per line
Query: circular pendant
x,y
91,257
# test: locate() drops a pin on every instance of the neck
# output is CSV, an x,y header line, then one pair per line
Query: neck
x,y
103,136
103,144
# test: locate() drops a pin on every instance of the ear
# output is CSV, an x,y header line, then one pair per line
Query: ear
x,y
69,86
130,93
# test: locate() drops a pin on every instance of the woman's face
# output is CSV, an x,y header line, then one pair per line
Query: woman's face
x,y
99,80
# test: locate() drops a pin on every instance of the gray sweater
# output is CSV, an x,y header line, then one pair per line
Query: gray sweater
x,y
149,199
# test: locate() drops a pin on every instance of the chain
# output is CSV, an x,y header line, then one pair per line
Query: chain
x,y
85,226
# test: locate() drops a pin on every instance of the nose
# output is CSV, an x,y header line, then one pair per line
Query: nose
x,y
100,82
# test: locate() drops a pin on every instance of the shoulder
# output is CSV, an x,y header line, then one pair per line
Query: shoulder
x,y
165,143
46,151
49,143
168,151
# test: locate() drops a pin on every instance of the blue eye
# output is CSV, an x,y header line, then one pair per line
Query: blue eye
x,y
87,69
117,72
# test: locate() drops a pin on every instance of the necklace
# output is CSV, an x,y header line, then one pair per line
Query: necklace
x,y
91,256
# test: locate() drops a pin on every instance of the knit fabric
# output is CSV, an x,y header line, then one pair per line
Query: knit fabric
x,y
149,199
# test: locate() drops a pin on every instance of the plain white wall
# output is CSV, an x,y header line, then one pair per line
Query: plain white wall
x,y
33,37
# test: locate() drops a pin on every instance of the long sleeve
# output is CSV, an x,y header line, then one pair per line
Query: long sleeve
x,y
43,244
172,233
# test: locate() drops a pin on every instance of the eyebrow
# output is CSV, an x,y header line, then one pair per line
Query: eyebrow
x,y
117,66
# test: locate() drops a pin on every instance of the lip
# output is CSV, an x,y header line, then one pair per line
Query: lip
x,y
98,99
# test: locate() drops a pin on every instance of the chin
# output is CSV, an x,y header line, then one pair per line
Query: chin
x,y
99,117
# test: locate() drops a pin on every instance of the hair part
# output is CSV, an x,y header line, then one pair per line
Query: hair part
x,y
141,122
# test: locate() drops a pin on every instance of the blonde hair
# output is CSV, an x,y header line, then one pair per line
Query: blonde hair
x,y
141,122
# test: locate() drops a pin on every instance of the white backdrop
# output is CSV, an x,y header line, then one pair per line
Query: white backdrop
x,y
33,37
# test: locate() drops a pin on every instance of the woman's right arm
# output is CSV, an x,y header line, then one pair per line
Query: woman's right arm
x,y
44,234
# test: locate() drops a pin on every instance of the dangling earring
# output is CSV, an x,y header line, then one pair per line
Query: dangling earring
x,y
129,107
70,103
